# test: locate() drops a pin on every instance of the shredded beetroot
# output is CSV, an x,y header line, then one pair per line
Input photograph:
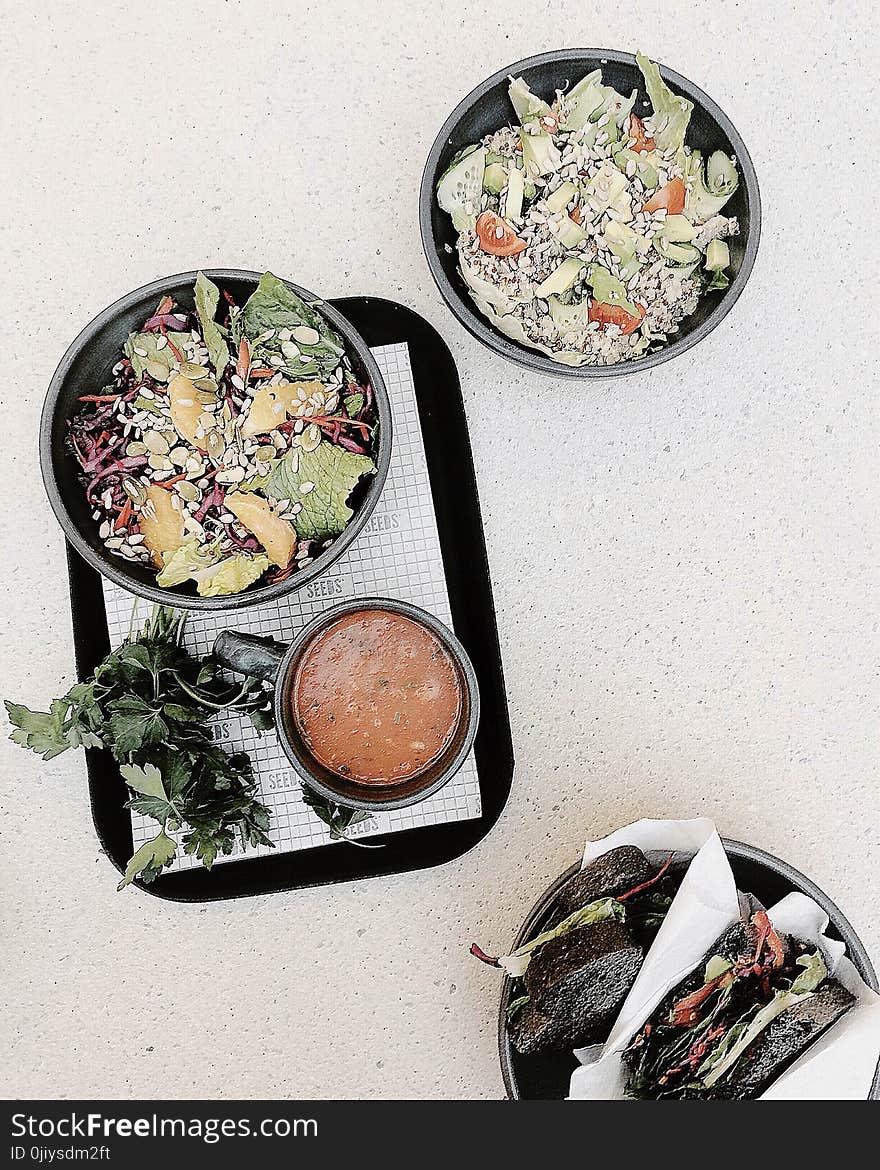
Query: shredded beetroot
x,y
166,320
483,957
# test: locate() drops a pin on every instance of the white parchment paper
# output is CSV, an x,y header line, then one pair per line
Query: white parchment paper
x,y
839,1066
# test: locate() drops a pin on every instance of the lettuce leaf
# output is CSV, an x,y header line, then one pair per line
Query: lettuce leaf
x,y
147,343
333,473
814,973
207,298
273,306
516,963
672,113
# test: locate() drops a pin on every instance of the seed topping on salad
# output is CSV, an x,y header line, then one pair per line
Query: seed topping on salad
x,y
588,231
226,451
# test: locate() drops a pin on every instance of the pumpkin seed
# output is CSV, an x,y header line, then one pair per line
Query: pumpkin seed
x,y
179,456
134,490
310,438
157,370
136,448
215,444
188,490
206,384
193,371
160,463
264,454
305,335
156,443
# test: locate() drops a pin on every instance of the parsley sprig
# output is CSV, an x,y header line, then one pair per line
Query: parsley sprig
x,y
147,703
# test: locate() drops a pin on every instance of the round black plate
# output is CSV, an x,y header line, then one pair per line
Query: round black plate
x,y
546,1076
488,107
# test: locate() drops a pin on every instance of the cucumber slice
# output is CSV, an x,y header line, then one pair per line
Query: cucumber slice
x,y
561,279
540,156
626,245
459,191
513,200
583,100
678,255
717,256
528,105
569,318
561,197
604,187
568,232
608,289
494,178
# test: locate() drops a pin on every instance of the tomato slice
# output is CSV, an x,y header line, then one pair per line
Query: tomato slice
x,y
615,315
497,237
637,131
671,197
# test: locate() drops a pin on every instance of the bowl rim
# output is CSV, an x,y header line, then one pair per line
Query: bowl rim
x,y
421,616
479,327
855,948
253,596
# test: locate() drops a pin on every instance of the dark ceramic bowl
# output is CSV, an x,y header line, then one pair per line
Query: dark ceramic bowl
x,y
488,107
87,365
270,660
546,1076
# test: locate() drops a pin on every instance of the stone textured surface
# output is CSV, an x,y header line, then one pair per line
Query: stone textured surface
x,y
684,562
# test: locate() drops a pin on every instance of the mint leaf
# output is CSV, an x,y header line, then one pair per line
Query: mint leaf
x,y
149,861
333,472
207,299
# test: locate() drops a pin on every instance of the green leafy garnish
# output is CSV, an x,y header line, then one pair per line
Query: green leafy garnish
x,y
149,861
334,472
336,817
354,404
273,306
141,348
671,112
147,703
207,298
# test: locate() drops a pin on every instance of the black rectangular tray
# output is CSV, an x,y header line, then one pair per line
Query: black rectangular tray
x,y
457,508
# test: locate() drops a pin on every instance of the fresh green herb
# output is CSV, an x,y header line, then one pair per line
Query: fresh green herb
x,y
207,298
147,704
334,472
336,817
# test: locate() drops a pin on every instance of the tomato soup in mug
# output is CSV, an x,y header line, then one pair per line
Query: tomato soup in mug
x,y
377,697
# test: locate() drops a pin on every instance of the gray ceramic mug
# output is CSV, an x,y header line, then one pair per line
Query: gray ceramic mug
x,y
277,663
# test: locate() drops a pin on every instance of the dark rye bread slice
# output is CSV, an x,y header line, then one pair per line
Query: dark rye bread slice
x,y
783,1041
531,1032
615,872
581,978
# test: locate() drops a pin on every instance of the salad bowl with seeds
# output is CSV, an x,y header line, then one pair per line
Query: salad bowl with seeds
x,y
586,213
215,439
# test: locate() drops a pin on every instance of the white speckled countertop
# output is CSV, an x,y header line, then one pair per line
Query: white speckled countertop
x,y
685,583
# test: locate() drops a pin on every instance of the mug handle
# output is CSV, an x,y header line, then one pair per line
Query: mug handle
x,y
249,654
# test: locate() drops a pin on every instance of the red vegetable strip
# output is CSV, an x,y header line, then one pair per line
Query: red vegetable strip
x,y
650,882
171,344
123,518
483,957
99,397
244,359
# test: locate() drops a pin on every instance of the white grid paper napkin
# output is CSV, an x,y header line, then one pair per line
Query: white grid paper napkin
x,y
396,555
